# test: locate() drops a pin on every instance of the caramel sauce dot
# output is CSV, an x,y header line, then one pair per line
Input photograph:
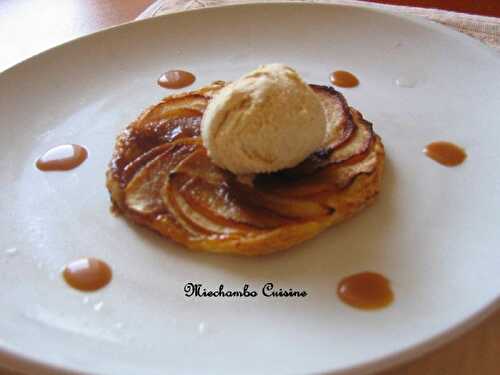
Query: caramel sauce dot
x,y
62,158
176,79
343,78
87,274
365,290
445,153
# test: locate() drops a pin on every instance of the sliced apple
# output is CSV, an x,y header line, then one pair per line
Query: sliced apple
x,y
221,202
341,176
140,137
204,219
143,192
333,177
339,126
181,217
212,190
193,222
345,138
168,107
357,144
134,166
155,133
199,165
197,101
287,187
202,222
283,206
314,175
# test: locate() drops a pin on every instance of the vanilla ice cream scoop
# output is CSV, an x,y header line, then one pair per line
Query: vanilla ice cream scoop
x,y
267,120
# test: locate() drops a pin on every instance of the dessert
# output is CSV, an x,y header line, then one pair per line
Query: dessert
x,y
162,177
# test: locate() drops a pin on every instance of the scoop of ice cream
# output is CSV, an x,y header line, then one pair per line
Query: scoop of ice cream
x,y
267,120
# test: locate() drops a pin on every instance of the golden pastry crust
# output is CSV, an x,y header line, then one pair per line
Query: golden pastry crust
x,y
161,177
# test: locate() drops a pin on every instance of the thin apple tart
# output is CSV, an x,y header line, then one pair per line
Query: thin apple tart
x,y
161,177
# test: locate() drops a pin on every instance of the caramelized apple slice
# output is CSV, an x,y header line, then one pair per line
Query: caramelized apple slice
x,y
199,165
211,190
357,144
314,176
286,187
179,213
194,223
222,202
197,101
353,150
341,132
341,176
167,108
202,222
203,219
143,192
333,177
174,117
133,167
339,126
190,220
167,130
284,206
137,140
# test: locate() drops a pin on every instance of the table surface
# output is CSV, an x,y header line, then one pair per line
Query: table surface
x,y
28,27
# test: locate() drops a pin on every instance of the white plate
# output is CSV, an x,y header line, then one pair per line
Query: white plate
x,y
433,232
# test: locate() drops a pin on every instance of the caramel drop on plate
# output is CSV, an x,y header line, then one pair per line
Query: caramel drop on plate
x,y
342,78
87,274
62,158
445,153
176,79
365,290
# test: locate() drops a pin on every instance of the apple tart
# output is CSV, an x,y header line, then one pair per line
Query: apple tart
x,y
161,177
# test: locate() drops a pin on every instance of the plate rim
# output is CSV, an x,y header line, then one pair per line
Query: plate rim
x,y
17,361
304,3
